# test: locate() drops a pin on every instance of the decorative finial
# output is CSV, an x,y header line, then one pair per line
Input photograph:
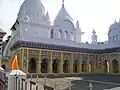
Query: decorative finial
x,y
62,3
47,16
115,21
77,24
93,31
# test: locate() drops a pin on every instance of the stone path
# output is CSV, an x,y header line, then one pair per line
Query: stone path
x,y
99,82
58,83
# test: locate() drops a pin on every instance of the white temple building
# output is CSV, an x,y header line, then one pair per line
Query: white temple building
x,y
34,25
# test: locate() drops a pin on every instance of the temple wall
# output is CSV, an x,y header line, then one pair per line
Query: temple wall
x,y
33,60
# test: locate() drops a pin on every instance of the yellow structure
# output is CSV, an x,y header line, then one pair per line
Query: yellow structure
x,y
36,60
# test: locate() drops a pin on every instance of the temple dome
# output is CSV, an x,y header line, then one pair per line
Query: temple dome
x,y
36,11
114,26
63,20
61,16
114,32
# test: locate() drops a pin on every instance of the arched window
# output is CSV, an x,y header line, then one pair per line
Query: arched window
x,y
117,37
109,38
66,35
71,36
52,33
113,38
59,34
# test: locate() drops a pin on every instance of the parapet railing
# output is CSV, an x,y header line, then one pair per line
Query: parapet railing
x,y
3,81
26,84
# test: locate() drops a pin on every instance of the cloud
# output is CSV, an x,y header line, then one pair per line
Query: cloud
x,y
8,12
98,14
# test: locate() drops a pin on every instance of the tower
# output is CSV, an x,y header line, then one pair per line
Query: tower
x,y
32,24
65,26
79,33
94,37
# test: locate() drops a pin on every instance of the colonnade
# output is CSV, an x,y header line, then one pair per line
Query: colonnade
x,y
50,61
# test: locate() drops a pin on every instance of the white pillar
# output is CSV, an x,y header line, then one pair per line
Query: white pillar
x,y
12,82
90,86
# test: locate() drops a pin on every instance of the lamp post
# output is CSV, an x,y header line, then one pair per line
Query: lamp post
x,y
31,77
55,85
55,81
45,80
90,86
37,79
69,84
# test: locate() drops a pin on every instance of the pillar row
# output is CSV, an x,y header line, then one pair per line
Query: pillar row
x,y
40,61
88,69
50,64
71,63
39,65
80,64
61,63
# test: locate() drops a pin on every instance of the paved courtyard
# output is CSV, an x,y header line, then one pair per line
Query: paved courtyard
x,y
81,82
99,82
84,85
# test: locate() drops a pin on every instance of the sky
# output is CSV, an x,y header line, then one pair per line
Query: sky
x,y
97,14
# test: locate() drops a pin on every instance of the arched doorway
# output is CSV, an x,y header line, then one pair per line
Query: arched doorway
x,y
76,66
115,66
44,65
3,66
55,66
105,66
32,65
84,66
66,66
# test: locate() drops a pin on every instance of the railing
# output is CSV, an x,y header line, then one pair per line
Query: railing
x,y
21,83
3,81
26,84
6,58
49,83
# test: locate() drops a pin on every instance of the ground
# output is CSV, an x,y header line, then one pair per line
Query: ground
x,y
81,82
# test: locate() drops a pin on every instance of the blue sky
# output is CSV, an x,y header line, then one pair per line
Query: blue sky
x,y
97,14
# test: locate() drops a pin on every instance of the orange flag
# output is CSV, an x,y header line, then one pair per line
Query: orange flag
x,y
15,63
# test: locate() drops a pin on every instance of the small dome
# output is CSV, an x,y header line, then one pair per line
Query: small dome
x,y
61,16
114,26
